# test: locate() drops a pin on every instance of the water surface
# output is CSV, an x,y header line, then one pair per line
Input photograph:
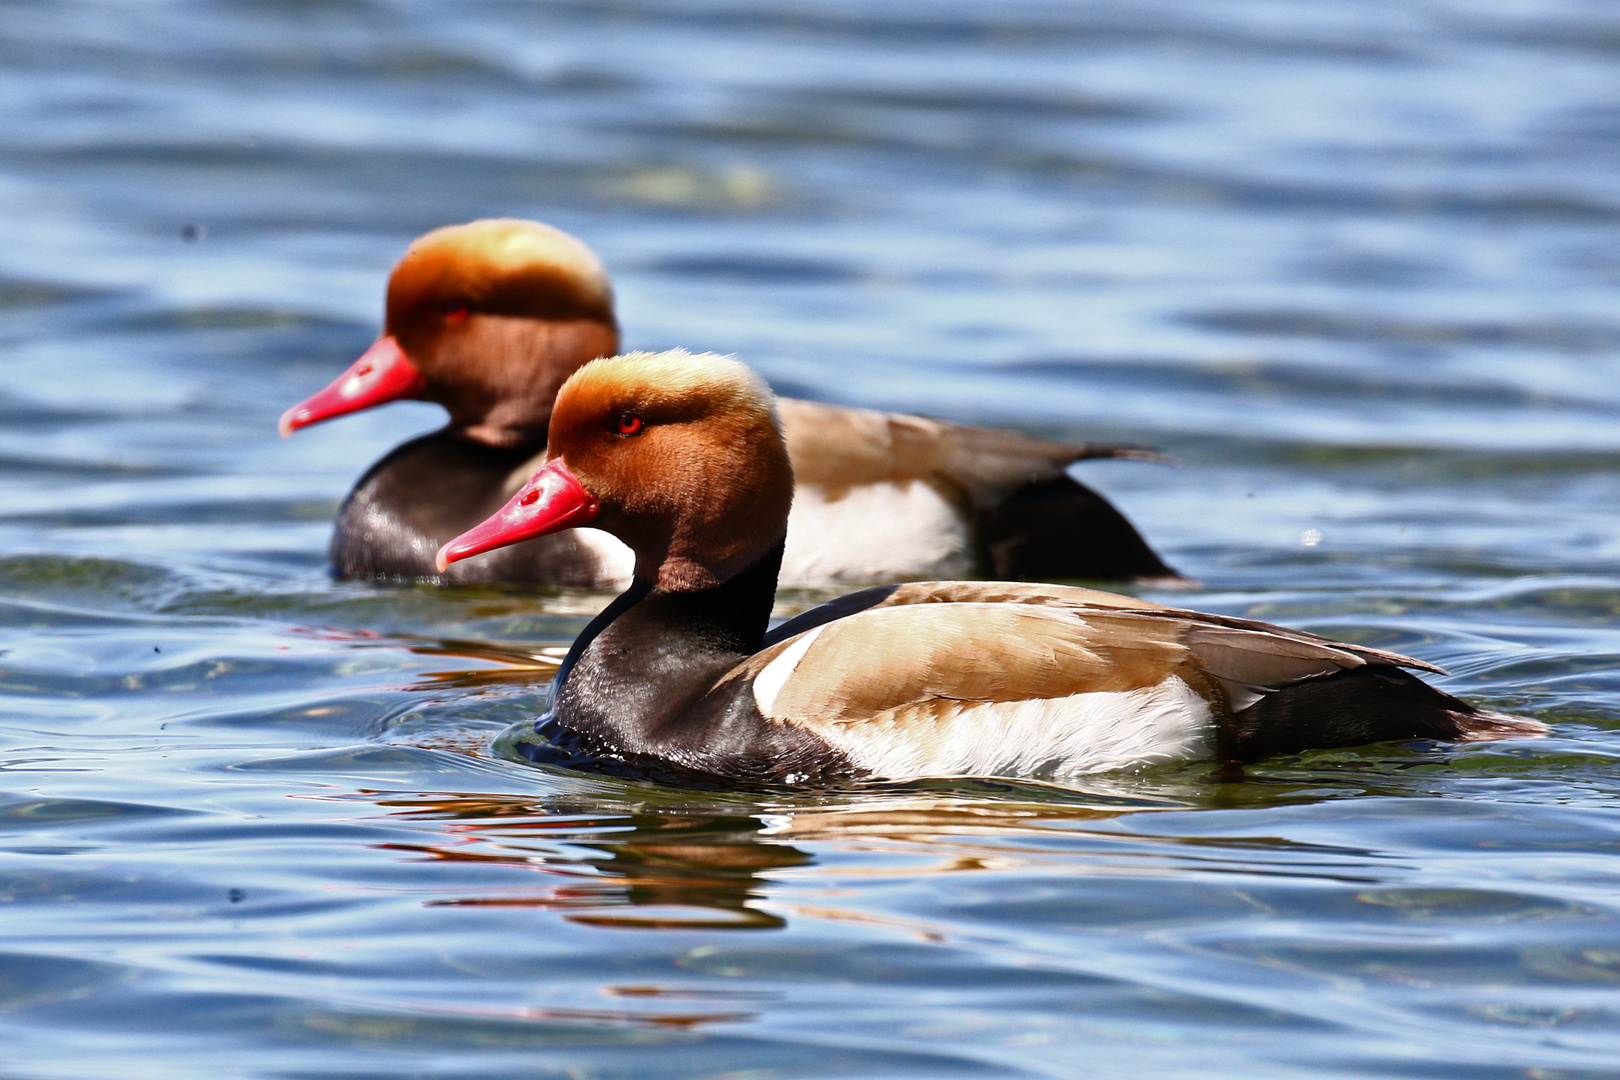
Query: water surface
x,y
1355,265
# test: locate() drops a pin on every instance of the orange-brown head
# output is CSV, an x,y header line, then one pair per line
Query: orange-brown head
x,y
680,456
486,319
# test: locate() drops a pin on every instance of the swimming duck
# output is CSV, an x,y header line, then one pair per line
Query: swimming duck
x,y
488,319
682,457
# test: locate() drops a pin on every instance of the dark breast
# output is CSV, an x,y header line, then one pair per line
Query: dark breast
x,y
430,490
720,735
653,685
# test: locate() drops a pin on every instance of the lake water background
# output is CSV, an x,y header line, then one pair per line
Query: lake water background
x,y
1355,265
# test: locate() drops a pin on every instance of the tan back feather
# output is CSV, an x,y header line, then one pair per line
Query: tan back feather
x,y
937,641
837,448
1013,592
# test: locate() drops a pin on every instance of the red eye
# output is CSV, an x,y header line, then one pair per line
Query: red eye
x,y
529,498
630,424
364,371
455,313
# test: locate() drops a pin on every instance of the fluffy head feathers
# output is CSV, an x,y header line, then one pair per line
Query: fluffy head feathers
x,y
496,314
702,489
504,266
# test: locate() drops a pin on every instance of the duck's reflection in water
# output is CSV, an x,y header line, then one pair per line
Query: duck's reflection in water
x,y
633,870
513,667
656,864
646,856
638,855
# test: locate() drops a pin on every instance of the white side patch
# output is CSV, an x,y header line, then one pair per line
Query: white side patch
x,y
616,561
1052,737
875,532
769,683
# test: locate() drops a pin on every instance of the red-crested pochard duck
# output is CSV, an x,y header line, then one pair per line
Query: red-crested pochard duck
x,y
682,457
488,319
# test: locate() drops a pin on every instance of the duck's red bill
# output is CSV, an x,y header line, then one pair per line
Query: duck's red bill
x,y
383,373
552,500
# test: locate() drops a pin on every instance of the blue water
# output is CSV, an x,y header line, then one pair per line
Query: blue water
x,y
1355,265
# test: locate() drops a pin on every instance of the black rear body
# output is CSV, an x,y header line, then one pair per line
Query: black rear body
x,y
1376,703
1061,529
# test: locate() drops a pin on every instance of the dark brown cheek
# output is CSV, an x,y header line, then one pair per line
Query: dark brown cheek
x,y
420,345
662,469
592,461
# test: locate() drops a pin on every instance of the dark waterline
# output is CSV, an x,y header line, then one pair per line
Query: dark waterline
x,y
1354,265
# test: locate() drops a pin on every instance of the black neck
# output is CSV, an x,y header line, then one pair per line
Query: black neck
x,y
732,617
523,448
638,590
652,654
651,691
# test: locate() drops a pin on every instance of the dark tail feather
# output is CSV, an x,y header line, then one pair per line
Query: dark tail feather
x,y
1483,725
1124,451
1062,529
1376,703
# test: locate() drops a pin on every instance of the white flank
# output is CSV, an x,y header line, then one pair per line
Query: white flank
x,y
617,561
1056,737
768,683
874,532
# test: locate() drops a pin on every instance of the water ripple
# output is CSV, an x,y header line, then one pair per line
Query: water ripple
x,y
1352,266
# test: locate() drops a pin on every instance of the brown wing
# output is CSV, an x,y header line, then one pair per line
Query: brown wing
x,y
894,656
1249,659
838,448
885,659
1012,592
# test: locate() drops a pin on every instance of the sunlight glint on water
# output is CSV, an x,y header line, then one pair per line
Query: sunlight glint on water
x,y
1353,265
